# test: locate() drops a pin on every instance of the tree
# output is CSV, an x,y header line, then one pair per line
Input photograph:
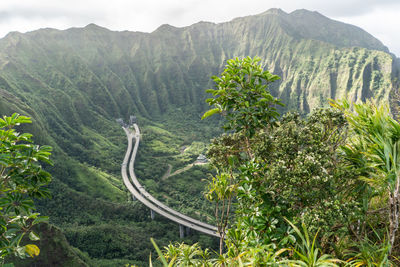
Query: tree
x,y
288,168
221,190
241,96
296,173
21,179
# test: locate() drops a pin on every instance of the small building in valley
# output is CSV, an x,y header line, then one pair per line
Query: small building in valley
x,y
202,159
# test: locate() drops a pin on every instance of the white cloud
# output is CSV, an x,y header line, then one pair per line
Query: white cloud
x,y
376,16
383,23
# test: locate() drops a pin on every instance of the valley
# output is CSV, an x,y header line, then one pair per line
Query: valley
x,y
74,84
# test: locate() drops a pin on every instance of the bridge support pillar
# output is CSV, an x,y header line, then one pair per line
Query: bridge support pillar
x,y
181,231
152,214
187,231
133,198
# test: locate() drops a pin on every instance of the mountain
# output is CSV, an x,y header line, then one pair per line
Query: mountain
x,y
76,82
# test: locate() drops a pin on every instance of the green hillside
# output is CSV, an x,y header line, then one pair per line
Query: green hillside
x,y
75,83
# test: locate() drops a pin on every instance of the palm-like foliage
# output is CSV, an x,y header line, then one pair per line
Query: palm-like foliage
x,y
370,254
162,258
307,252
182,254
262,255
379,136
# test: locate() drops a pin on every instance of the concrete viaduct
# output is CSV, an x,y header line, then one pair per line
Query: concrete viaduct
x,y
138,191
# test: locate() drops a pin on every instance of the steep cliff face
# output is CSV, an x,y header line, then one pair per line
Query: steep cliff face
x,y
94,70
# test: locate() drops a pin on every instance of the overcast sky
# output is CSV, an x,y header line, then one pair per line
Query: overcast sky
x,y
381,18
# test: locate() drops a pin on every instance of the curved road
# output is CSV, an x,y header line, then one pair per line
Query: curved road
x,y
149,196
143,196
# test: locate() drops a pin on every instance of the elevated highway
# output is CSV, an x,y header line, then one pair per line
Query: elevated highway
x,y
138,191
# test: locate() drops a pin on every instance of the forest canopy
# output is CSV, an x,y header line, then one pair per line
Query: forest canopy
x,y
315,190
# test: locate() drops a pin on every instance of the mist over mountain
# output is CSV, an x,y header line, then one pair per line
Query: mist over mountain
x,y
76,82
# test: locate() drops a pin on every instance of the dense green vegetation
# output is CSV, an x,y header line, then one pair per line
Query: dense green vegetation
x,y
313,191
53,247
22,178
75,83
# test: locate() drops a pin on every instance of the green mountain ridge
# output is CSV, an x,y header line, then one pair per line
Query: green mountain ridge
x,y
279,38
76,82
